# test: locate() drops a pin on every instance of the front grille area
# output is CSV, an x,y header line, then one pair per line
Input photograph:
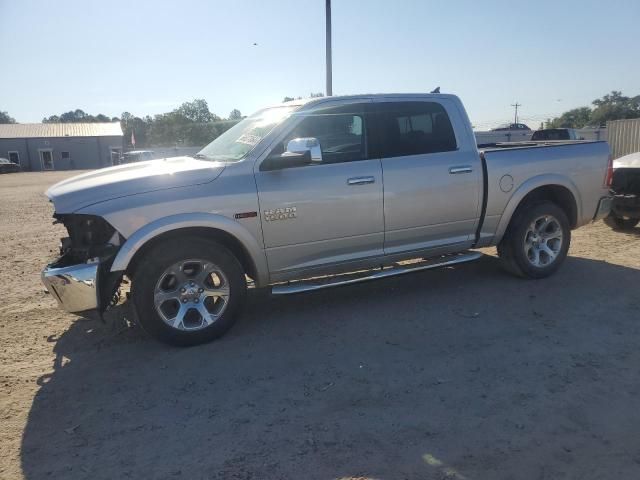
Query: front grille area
x,y
89,237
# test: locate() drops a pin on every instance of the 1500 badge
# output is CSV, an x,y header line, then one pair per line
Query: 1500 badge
x,y
286,213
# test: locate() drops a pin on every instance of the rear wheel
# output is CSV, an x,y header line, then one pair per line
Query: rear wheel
x,y
537,240
188,292
621,223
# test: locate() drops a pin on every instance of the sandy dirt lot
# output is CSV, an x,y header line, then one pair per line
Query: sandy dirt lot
x,y
462,373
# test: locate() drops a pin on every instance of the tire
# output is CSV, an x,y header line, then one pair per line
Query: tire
x,y
532,248
621,224
198,285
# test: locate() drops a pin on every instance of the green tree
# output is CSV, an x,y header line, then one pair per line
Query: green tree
x,y
192,123
196,111
126,116
5,118
76,116
235,114
139,126
576,118
614,106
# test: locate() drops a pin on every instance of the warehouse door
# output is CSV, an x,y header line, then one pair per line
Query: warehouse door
x,y
116,155
46,159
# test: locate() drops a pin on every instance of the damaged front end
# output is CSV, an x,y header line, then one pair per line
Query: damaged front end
x,y
626,190
80,279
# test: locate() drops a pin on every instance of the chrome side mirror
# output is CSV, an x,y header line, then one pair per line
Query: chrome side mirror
x,y
303,145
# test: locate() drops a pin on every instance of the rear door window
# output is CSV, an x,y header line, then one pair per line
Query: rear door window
x,y
412,128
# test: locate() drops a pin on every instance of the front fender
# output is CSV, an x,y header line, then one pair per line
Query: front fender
x,y
527,187
206,220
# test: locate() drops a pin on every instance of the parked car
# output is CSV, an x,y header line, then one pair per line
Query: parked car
x,y
315,188
137,156
555,134
510,127
7,166
625,185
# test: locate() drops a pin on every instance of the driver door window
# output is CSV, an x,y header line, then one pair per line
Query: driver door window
x,y
341,136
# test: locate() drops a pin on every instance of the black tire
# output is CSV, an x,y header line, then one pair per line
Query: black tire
x,y
513,251
621,224
152,268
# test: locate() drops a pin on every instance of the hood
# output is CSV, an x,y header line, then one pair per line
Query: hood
x,y
131,179
628,161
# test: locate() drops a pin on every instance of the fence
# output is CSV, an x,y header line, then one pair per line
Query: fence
x,y
624,136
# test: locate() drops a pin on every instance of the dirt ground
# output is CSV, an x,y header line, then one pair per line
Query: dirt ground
x,y
462,373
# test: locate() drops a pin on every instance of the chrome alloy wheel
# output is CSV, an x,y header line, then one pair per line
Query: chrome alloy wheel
x,y
543,241
191,294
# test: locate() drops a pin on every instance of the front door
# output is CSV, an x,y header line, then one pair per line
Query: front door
x,y
116,154
432,180
327,213
46,159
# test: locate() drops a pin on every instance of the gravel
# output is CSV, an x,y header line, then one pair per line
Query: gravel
x,y
461,373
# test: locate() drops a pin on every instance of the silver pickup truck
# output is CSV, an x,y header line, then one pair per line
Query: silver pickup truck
x,y
299,194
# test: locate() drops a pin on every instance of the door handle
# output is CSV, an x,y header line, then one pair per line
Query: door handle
x,y
360,180
461,169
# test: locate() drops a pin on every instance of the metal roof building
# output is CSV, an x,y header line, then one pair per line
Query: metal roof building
x,y
61,146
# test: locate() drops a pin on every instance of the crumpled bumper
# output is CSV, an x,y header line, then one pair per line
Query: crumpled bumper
x,y
626,206
604,207
75,287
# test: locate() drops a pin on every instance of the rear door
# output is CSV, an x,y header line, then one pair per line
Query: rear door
x,y
327,213
432,176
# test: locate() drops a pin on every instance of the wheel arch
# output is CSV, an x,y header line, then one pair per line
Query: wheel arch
x,y
557,189
229,233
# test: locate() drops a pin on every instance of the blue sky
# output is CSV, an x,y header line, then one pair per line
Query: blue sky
x,y
147,57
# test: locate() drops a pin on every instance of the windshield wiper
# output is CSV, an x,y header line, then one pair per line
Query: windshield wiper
x,y
200,155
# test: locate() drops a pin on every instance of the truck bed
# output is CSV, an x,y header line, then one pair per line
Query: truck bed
x,y
510,169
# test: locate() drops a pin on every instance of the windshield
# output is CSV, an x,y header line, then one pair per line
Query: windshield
x,y
240,139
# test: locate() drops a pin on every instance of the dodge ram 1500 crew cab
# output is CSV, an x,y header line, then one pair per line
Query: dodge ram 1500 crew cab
x,y
311,190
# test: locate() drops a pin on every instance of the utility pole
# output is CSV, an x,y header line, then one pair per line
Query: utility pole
x,y
516,105
328,53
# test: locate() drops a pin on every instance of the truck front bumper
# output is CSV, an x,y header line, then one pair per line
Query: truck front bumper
x,y
626,206
604,207
75,287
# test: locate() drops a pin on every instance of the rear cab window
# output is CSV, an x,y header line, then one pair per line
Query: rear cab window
x,y
412,128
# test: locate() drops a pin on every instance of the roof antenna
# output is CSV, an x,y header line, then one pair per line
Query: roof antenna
x,y
436,90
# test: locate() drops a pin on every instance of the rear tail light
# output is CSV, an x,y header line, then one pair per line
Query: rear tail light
x,y
608,180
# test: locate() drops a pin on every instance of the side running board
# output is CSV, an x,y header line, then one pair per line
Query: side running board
x,y
348,279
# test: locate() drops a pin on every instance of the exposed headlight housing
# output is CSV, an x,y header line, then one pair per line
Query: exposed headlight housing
x,y
89,236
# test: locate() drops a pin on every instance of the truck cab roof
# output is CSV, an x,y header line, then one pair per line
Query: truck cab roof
x,y
310,103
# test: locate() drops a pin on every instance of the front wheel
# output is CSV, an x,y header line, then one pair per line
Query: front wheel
x,y
188,292
620,223
537,240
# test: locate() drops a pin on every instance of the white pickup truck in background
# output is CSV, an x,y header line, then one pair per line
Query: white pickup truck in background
x,y
508,132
